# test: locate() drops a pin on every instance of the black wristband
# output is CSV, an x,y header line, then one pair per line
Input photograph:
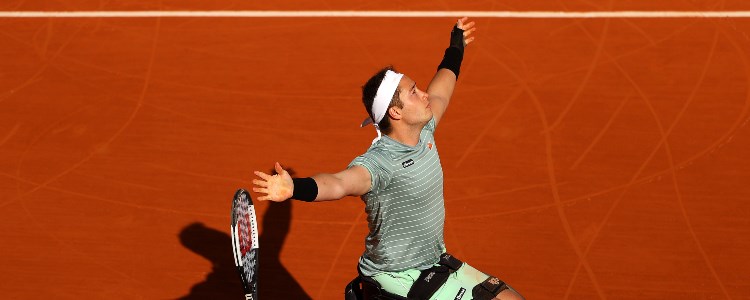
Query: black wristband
x,y
452,60
457,38
305,189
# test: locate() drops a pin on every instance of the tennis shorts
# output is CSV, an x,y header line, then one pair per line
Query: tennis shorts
x,y
458,286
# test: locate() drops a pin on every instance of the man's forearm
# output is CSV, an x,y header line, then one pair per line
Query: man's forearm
x,y
442,84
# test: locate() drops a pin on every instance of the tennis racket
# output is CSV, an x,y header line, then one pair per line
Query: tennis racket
x,y
245,242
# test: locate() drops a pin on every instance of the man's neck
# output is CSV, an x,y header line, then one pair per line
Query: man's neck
x,y
406,135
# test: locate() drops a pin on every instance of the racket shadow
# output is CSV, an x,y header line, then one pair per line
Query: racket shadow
x,y
274,281
223,281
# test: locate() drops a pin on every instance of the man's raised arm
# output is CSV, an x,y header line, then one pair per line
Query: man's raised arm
x,y
441,87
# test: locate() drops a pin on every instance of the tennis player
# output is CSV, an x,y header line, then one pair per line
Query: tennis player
x,y
400,179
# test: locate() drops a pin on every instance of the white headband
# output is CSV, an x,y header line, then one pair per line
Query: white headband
x,y
385,94
382,99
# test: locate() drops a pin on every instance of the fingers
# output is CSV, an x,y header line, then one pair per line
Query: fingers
x,y
262,186
262,175
467,33
463,25
461,22
279,169
469,28
260,183
264,191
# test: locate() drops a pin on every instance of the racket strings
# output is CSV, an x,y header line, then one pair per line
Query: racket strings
x,y
243,224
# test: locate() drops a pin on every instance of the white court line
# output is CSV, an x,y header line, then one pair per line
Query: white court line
x,y
374,14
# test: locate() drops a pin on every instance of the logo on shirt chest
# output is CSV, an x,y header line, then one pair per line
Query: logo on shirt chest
x,y
407,163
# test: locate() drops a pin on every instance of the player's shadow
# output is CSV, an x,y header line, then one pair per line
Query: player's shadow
x,y
274,280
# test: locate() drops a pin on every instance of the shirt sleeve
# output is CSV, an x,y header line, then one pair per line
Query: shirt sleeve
x,y
378,168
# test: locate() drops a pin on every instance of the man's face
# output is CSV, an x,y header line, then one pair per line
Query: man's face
x,y
416,108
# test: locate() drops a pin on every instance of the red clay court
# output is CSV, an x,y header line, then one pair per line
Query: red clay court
x,y
600,158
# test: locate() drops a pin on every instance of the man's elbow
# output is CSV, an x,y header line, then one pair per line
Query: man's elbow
x,y
345,188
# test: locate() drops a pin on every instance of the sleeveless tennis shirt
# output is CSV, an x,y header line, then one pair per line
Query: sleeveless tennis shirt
x,y
405,209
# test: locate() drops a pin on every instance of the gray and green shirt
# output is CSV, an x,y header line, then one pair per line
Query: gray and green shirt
x,y
405,209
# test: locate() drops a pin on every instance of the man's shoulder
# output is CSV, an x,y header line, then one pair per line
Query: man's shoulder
x,y
378,151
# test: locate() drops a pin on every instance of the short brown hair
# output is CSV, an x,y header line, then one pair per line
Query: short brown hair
x,y
370,89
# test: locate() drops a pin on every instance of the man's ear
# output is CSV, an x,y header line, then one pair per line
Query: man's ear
x,y
394,112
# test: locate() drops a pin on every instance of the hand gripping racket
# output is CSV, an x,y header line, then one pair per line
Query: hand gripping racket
x,y
245,242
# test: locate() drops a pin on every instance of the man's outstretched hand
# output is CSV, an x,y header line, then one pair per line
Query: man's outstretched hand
x,y
276,188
